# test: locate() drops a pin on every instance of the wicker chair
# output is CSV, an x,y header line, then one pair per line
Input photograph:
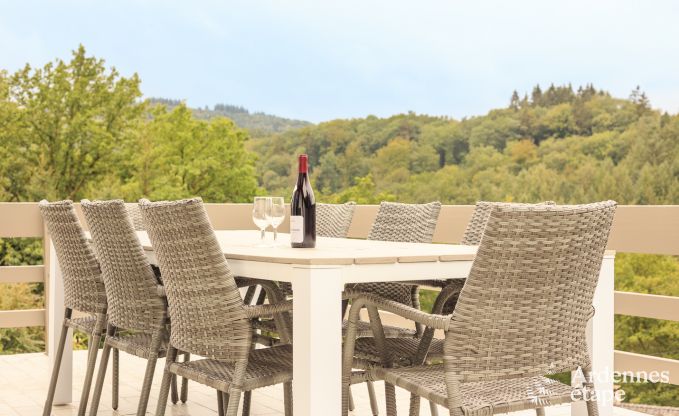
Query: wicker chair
x,y
83,290
137,318
413,223
537,261
334,220
208,315
477,224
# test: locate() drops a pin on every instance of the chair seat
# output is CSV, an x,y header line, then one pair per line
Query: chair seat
x,y
266,367
402,350
479,398
135,344
84,324
363,329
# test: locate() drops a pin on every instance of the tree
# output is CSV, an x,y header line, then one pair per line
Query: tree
x,y
515,101
189,157
73,118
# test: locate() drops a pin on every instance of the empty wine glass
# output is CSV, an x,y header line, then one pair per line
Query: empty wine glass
x,y
260,216
276,214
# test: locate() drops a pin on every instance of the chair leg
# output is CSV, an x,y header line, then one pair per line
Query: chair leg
x,y
92,350
103,363
247,399
165,384
220,403
414,409
592,406
47,410
233,403
225,402
287,398
433,409
373,398
540,411
174,395
352,405
390,394
249,294
156,340
185,382
116,379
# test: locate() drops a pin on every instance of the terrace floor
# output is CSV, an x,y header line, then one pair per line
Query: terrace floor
x,y
24,378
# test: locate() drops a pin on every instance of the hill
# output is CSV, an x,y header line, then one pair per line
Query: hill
x,y
257,123
560,144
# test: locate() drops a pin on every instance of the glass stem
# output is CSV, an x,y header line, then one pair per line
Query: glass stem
x,y
263,230
275,233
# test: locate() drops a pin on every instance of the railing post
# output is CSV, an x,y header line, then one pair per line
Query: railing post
x,y
46,245
63,393
600,340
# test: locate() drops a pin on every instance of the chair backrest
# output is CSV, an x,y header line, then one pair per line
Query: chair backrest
x,y
206,309
476,225
524,308
410,223
135,216
334,220
83,284
131,285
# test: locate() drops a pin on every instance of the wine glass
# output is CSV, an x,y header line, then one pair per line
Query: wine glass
x,y
276,214
259,215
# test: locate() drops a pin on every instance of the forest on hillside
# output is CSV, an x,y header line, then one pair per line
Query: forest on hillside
x,y
560,144
257,123
79,129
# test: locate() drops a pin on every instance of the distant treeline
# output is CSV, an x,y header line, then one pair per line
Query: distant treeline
x,y
258,123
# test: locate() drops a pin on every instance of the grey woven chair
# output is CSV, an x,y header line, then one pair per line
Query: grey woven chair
x,y
522,315
477,224
208,315
137,319
134,214
334,220
83,290
408,351
414,223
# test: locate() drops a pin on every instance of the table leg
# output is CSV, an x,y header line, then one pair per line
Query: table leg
x,y
63,392
317,341
600,341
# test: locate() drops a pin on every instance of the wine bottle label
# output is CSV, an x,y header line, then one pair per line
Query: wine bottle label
x,y
296,228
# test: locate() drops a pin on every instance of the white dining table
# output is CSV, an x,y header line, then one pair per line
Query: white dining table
x,y
318,276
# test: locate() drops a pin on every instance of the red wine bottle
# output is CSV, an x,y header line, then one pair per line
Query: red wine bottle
x,y
303,209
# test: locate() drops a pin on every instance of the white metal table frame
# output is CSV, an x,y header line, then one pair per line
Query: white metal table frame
x,y
317,337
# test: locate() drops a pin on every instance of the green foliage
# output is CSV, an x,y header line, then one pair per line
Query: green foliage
x,y
180,156
257,123
563,145
79,130
15,252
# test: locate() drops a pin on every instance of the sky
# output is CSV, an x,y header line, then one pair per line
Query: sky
x,y
320,60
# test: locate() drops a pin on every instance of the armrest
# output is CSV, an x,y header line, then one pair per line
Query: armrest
x,y
272,290
268,310
430,320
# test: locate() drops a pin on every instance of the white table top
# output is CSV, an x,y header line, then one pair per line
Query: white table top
x,y
242,245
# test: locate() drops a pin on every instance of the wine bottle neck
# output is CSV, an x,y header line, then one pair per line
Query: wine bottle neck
x,y
303,164
301,178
